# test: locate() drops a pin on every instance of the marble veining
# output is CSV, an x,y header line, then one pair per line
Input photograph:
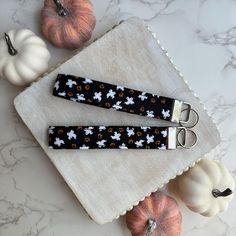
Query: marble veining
x,y
200,38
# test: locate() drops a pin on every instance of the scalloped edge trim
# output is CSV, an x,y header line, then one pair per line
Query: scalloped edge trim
x,y
154,35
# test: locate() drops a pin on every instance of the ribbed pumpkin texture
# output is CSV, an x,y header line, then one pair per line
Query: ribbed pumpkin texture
x,y
67,23
160,209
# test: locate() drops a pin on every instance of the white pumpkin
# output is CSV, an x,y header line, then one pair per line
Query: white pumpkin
x,y
23,57
206,188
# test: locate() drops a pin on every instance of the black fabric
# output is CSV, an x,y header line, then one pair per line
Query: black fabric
x,y
113,97
106,137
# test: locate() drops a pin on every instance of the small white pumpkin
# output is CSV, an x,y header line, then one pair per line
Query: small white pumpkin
x,y
23,57
207,188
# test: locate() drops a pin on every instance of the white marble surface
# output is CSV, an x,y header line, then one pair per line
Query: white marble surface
x,y
200,36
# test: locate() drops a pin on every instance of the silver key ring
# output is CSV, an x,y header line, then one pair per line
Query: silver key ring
x,y
184,122
183,144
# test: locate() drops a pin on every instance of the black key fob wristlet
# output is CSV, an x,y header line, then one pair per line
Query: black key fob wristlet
x,y
119,98
124,99
118,137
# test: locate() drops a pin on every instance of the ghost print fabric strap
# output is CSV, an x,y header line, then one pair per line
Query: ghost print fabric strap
x,y
119,98
114,137
116,97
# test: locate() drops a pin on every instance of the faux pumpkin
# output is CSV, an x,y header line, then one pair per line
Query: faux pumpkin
x,y
68,23
157,215
207,188
23,56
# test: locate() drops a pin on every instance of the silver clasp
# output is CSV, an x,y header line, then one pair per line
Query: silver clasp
x,y
177,137
178,110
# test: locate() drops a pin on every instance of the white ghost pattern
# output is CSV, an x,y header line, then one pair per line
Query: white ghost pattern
x,y
56,85
59,142
111,94
150,139
129,101
163,146
164,133
80,97
130,131
144,128
150,113
123,146
88,130
120,88
139,143
98,96
70,83
51,130
87,81
117,106
165,113
84,147
102,127
142,96
63,94
71,135
116,136
101,143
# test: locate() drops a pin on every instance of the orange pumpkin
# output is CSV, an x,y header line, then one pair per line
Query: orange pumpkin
x,y
157,215
67,23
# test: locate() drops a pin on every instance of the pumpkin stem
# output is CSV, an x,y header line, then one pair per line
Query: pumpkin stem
x,y
61,10
217,193
152,224
12,51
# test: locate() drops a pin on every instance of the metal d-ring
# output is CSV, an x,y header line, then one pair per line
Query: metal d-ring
x,y
184,122
185,130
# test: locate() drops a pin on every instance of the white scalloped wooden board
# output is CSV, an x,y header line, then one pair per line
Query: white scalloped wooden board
x,y
110,182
